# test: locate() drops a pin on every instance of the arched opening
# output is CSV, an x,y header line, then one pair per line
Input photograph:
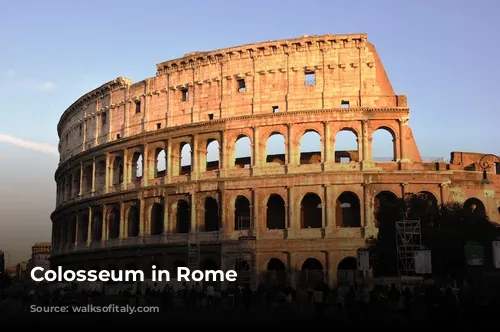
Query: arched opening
x,y
72,230
83,228
276,272
161,162
213,154
209,265
183,217
211,215
242,153
117,171
311,214
310,148
385,201
348,211
148,273
97,227
276,212
176,264
312,273
473,207
133,221
114,223
157,219
185,165
346,270
276,149
137,166
100,176
346,146
87,178
383,145
241,213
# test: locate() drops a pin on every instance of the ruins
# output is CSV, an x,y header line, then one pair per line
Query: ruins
x,y
137,186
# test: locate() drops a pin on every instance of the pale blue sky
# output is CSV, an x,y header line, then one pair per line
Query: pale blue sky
x,y
442,54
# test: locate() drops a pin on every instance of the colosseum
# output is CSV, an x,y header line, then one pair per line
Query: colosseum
x,y
178,169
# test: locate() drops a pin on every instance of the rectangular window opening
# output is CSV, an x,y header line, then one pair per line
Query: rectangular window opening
x,y
185,94
497,168
103,119
211,116
310,78
242,85
137,107
118,136
81,129
276,109
345,160
158,126
344,104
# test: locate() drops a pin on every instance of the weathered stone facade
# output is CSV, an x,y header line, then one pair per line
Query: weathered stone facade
x,y
121,185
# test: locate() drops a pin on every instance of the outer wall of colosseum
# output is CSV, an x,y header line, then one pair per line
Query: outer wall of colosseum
x,y
126,198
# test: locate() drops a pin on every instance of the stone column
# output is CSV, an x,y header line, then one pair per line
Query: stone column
x,y
89,229
166,214
144,229
193,227
92,189
123,222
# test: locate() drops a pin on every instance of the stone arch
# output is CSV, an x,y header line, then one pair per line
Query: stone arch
x,y
385,134
348,210
212,155
311,212
347,145
137,166
185,160
133,221
311,273
114,223
176,264
241,213
183,222
474,207
157,217
276,212
212,217
117,170
276,272
310,147
83,227
384,198
243,152
96,232
275,148
160,162
346,270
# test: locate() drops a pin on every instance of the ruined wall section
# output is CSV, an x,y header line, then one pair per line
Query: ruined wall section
x,y
205,86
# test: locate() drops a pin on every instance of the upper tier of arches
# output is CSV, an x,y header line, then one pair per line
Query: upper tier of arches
x,y
309,73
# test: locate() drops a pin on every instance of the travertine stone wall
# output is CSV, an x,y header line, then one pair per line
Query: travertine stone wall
x,y
292,203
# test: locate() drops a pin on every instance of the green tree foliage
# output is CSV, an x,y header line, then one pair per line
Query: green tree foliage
x,y
445,231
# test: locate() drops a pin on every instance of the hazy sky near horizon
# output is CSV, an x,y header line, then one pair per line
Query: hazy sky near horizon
x,y
442,54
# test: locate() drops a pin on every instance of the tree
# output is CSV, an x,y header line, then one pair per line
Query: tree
x,y
445,231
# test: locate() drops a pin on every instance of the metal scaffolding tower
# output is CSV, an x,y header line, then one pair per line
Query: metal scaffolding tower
x,y
245,249
408,241
193,252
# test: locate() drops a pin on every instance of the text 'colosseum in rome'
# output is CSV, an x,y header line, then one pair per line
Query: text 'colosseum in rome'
x,y
209,162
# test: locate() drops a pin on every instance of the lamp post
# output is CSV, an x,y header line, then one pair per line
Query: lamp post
x,y
485,165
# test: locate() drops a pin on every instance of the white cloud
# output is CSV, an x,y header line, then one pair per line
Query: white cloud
x,y
47,86
40,147
28,83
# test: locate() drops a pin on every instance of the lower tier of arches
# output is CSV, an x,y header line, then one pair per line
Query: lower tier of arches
x,y
297,263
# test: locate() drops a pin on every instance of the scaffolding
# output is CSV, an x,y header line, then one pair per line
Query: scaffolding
x,y
408,241
193,253
245,249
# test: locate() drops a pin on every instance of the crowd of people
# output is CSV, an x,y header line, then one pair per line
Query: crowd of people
x,y
349,302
